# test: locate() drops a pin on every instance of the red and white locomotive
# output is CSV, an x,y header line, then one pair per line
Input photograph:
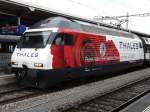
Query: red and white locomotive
x,y
58,48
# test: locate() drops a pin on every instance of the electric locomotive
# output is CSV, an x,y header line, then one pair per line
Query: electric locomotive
x,y
57,48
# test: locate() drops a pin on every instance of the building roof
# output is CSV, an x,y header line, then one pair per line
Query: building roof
x,y
9,38
31,13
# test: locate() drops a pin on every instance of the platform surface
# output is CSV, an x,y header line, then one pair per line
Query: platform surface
x,y
7,78
141,105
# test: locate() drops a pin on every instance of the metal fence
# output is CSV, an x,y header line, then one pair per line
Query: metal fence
x,y
4,60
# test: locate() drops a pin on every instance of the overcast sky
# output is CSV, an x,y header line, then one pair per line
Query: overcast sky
x,y
91,8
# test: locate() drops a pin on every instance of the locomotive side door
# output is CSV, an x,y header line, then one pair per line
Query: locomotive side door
x,y
69,60
62,50
147,49
148,52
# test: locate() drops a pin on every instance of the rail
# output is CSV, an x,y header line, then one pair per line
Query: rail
x,y
116,100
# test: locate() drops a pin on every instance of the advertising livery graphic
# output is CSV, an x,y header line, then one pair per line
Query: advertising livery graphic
x,y
86,51
98,51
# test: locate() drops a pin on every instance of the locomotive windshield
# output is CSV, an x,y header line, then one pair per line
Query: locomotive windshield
x,y
34,39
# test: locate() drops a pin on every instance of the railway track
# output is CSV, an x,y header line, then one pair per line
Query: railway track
x,y
75,93
11,93
9,88
115,100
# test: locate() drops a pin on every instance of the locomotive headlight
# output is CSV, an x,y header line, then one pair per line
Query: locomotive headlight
x,y
14,63
38,65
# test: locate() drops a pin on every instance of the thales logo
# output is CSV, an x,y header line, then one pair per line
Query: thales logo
x,y
27,54
129,45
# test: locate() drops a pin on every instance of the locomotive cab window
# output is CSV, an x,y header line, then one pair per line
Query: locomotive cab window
x,y
34,39
68,39
148,48
140,44
64,39
59,40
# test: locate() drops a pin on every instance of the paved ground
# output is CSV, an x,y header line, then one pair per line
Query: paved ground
x,y
141,105
6,78
66,98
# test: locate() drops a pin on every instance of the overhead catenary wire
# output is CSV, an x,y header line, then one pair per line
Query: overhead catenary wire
x,y
121,19
132,15
89,7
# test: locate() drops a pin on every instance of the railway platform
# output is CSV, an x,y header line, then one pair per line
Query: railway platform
x,y
6,78
141,105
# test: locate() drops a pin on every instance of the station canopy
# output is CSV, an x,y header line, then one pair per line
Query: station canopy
x,y
10,11
13,12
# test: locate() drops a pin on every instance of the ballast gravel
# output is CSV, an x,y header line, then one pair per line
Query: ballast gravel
x,y
58,101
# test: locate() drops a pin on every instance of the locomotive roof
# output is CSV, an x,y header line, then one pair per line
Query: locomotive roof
x,y
80,26
56,22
